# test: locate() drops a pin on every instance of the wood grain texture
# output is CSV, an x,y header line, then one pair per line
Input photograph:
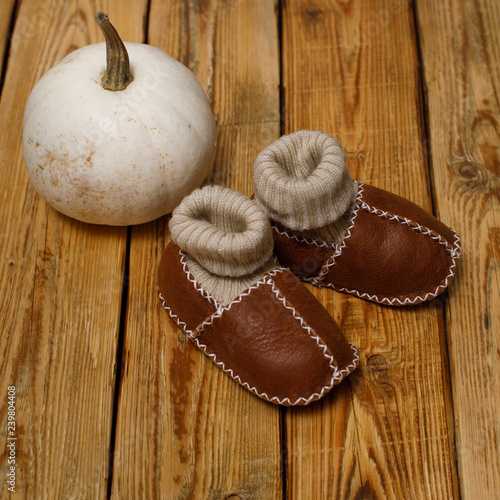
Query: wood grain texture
x,y
461,54
185,429
6,14
60,285
191,430
351,69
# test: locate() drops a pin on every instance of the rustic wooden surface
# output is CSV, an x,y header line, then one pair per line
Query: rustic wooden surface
x,y
6,14
463,110
387,429
113,402
192,414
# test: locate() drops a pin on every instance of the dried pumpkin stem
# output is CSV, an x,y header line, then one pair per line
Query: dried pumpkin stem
x,y
117,75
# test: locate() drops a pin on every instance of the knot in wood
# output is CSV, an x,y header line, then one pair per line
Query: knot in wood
x,y
377,363
470,171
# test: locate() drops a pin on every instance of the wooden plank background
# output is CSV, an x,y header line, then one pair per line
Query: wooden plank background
x,y
112,401
462,83
193,415
6,15
388,426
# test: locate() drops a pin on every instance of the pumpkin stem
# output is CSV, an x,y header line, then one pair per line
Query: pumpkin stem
x,y
117,75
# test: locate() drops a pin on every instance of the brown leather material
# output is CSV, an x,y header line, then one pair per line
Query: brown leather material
x,y
261,341
303,257
395,204
394,252
317,318
275,339
178,291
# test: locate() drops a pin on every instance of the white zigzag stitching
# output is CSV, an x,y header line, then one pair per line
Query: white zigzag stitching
x,y
452,249
337,249
412,225
455,254
337,375
174,316
317,280
220,309
195,283
302,239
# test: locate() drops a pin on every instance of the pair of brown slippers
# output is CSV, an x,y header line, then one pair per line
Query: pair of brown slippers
x,y
231,276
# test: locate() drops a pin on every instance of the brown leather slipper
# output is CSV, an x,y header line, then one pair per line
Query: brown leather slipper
x,y
372,243
273,337
393,252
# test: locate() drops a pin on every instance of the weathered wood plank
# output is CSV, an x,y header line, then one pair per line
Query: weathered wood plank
x,y
461,61
6,12
351,69
60,285
202,435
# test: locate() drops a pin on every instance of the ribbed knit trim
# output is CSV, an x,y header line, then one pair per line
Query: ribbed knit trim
x,y
301,181
333,232
227,240
224,289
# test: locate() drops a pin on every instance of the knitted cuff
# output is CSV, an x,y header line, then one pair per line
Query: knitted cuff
x,y
301,180
226,232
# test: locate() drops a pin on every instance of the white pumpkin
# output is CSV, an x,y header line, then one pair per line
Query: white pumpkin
x,y
118,157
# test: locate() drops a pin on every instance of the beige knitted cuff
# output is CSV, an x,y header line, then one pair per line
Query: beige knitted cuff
x,y
226,232
301,180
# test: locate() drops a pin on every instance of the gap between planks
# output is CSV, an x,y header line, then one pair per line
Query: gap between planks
x,y
445,340
6,35
123,322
